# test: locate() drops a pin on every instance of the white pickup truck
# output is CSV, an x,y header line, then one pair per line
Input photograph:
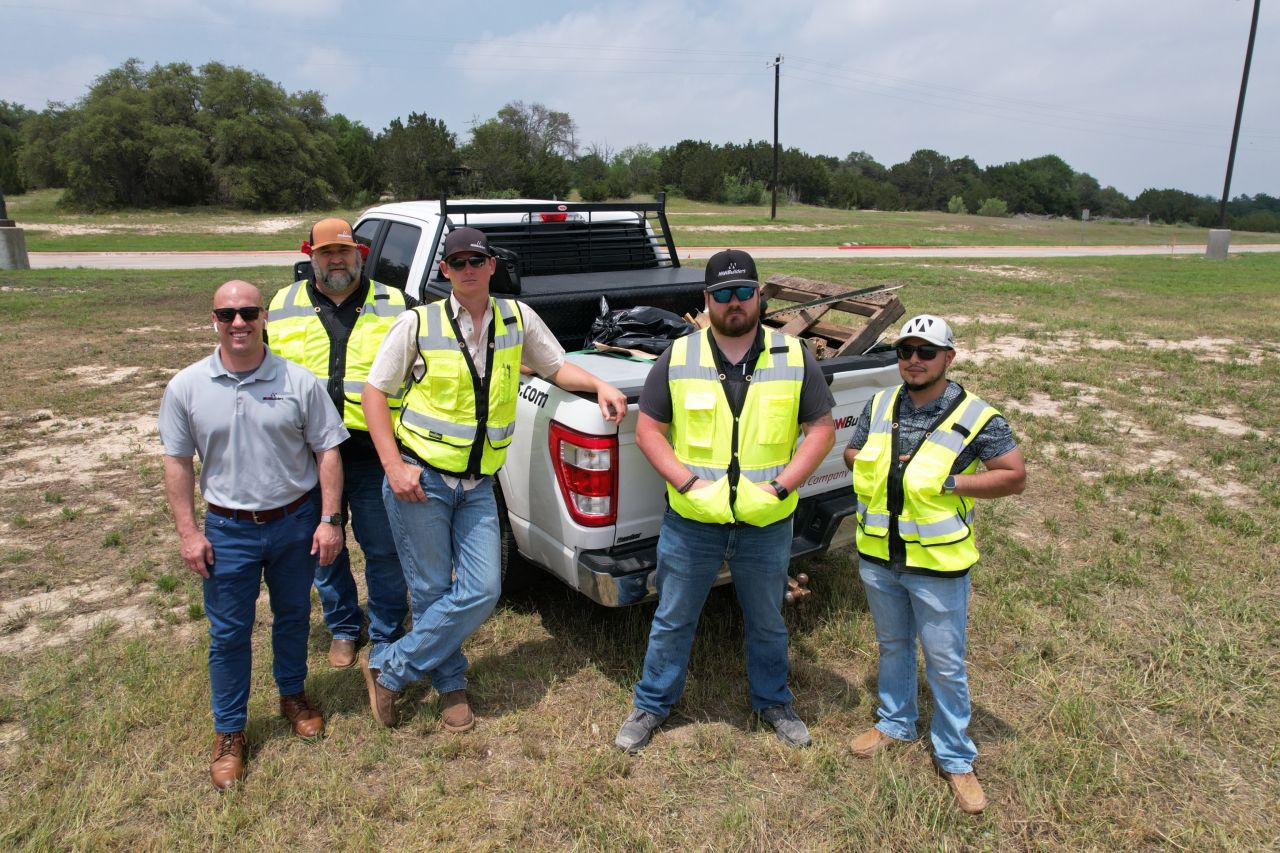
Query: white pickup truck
x,y
580,499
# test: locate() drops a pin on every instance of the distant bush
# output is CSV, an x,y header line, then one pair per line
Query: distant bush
x,y
739,190
957,205
594,191
993,207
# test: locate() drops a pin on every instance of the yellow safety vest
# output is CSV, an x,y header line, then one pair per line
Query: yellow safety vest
x,y
704,437
297,333
936,529
441,421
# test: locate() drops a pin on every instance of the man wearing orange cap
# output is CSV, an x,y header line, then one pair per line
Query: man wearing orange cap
x,y
333,324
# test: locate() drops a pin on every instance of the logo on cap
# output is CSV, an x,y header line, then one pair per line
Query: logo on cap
x,y
732,269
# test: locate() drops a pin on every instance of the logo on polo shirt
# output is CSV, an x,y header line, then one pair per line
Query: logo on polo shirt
x,y
272,396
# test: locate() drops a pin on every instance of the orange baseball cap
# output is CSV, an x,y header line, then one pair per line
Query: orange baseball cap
x,y
328,232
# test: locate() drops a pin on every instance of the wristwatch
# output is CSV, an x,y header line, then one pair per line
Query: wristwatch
x,y
780,490
949,484
337,518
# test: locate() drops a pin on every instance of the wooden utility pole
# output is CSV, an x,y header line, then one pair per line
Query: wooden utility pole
x,y
777,65
1235,134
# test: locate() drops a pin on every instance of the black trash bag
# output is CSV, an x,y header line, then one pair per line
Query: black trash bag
x,y
506,273
644,327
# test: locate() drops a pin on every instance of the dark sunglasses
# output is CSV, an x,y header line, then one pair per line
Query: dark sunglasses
x,y
228,315
476,261
744,292
927,352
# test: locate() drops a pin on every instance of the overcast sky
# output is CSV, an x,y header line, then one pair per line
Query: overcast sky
x,y
1138,93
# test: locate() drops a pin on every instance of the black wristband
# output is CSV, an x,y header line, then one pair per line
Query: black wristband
x,y
780,490
693,478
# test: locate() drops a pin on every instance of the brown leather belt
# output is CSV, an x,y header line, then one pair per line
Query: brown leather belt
x,y
260,516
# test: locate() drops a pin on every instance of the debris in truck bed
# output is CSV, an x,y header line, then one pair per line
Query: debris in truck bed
x,y
879,306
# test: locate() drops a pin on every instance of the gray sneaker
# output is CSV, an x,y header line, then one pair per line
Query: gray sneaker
x,y
789,728
637,729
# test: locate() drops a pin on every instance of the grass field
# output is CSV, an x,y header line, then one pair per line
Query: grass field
x,y
48,229
1124,642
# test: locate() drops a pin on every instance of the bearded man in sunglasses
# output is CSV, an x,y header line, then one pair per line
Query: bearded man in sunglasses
x,y
460,360
267,437
719,417
914,454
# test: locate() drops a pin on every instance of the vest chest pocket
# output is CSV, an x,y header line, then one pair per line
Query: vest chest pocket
x,y
777,419
444,378
864,471
700,418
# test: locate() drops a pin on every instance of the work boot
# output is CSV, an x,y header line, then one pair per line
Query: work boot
x,y
227,766
342,653
789,728
869,743
382,702
455,713
306,720
636,730
970,798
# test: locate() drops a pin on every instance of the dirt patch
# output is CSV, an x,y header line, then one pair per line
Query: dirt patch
x,y
262,226
1018,272
98,374
743,229
1225,426
47,620
61,449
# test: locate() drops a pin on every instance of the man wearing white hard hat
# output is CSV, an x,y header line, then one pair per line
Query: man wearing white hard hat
x,y
915,454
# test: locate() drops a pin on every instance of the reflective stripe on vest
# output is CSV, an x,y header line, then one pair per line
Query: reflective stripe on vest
x,y
936,529
439,421
298,334
703,425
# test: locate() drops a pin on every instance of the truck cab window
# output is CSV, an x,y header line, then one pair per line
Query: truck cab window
x,y
397,254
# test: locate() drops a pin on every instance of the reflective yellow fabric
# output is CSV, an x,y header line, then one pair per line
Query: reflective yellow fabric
x,y
297,333
936,529
702,430
439,420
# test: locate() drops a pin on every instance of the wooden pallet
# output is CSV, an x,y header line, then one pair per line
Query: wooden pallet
x,y
828,340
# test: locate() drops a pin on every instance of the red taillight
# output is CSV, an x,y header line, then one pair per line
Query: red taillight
x,y
587,472
553,217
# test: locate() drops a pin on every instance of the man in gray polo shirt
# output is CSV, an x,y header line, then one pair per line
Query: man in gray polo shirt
x,y
266,435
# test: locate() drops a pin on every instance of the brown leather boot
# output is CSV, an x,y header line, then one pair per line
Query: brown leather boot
x,y
342,653
307,721
382,702
869,743
455,713
970,798
227,765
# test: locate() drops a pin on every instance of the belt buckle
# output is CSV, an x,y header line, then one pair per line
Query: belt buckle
x,y
253,514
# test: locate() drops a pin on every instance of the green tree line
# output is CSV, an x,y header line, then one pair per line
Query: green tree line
x,y
172,135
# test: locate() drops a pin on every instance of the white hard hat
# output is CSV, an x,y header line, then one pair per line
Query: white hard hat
x,y
929,328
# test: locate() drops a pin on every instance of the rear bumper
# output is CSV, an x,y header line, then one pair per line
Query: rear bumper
x,y
619,577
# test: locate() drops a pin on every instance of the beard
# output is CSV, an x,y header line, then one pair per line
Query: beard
x,y
336,281
734,325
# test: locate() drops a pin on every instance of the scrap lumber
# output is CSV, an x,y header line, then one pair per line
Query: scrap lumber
x,y
879,309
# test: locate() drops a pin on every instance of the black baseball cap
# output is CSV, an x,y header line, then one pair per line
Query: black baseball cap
x,y
730,268
466,240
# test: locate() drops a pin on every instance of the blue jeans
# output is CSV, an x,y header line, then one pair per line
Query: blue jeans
x,y
937,610
690,555
388,597
244,552
452,556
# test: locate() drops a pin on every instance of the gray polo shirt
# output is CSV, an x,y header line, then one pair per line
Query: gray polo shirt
x,y
256,437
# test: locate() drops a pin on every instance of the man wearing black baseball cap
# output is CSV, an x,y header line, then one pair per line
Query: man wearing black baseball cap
x,y
719,417
460,359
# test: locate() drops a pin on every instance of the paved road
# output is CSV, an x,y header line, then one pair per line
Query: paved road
x,y
224,260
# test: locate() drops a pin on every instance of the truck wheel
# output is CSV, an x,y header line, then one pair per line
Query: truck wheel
x,y
516,570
